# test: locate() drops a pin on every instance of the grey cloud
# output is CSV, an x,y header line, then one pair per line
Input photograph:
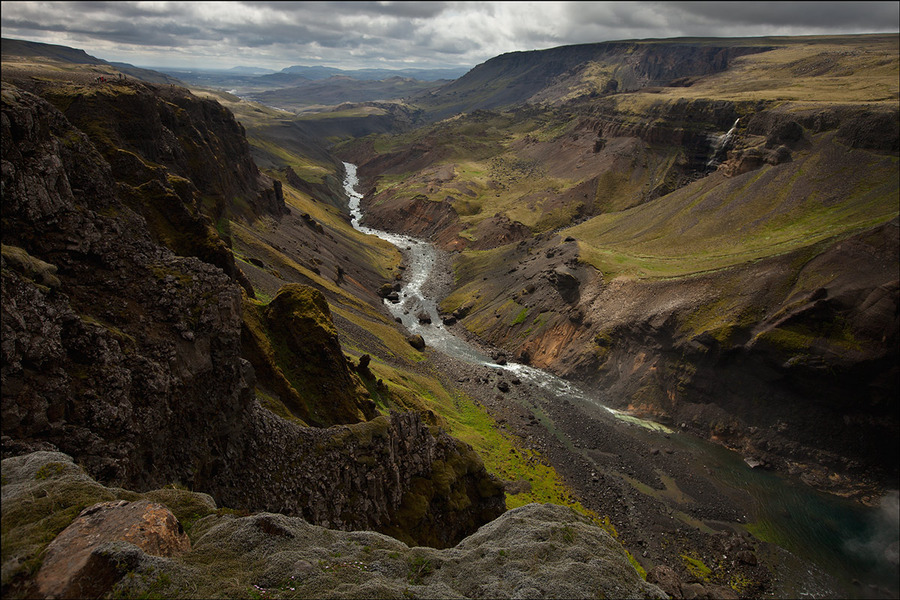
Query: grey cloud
x,y
426,33
827,15
410,10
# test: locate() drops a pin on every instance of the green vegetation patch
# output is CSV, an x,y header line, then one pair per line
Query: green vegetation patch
x,y
696,567
520,318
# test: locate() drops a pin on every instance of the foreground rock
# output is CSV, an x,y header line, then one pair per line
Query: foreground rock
x,y
75,566
536,551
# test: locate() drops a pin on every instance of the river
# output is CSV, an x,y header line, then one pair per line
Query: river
x,y
855,545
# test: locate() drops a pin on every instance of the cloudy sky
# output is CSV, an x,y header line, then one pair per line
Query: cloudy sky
x,y
403,34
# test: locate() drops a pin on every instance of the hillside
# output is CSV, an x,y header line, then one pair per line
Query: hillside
x,y
22,54
560,74
608,232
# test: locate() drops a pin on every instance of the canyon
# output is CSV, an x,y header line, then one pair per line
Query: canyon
x,y
702,235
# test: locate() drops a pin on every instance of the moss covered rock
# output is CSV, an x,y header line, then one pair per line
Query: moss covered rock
x,y
294,347
534,551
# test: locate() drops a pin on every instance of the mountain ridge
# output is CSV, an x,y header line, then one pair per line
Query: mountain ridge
x,y
13,49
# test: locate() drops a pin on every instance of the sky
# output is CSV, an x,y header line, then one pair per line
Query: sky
x,y
354,35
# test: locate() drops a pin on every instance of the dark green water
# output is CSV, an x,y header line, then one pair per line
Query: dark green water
x,y
855,544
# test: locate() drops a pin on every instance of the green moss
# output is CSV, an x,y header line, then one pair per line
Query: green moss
x,y
363,433
275,405
187,506
30,523
118,333
49,470
792,341
520,318
740,583
419,567
696,567
415,501
293,345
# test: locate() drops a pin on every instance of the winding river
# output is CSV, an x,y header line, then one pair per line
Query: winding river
x,y
855,544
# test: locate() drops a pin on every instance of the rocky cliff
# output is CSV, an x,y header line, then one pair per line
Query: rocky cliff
x,y
180,161
543,76
129,358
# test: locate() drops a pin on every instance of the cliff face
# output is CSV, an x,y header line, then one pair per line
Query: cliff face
x,y
548,76
180,161
135,346
129,358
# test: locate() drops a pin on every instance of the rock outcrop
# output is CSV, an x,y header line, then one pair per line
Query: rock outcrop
x,y
74,568
294,349
533,551
418,216
391,474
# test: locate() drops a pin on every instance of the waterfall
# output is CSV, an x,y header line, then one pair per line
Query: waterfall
x,y
720,144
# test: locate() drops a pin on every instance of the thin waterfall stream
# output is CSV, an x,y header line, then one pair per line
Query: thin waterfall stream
x,y
856,545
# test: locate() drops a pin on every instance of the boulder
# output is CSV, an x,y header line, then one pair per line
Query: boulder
x,y
73,569
667,580
565,283
416,341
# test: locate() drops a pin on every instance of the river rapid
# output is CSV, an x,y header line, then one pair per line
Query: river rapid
x,y
823,546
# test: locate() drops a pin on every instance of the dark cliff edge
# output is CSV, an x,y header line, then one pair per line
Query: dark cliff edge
x,y
128,357
521,77
180,161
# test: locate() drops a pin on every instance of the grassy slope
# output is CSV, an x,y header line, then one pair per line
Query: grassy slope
x,y
488,159
827,193
491,163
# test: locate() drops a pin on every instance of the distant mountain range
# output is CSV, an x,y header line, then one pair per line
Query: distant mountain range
x,y
376,74
312,85
298,73
295,87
